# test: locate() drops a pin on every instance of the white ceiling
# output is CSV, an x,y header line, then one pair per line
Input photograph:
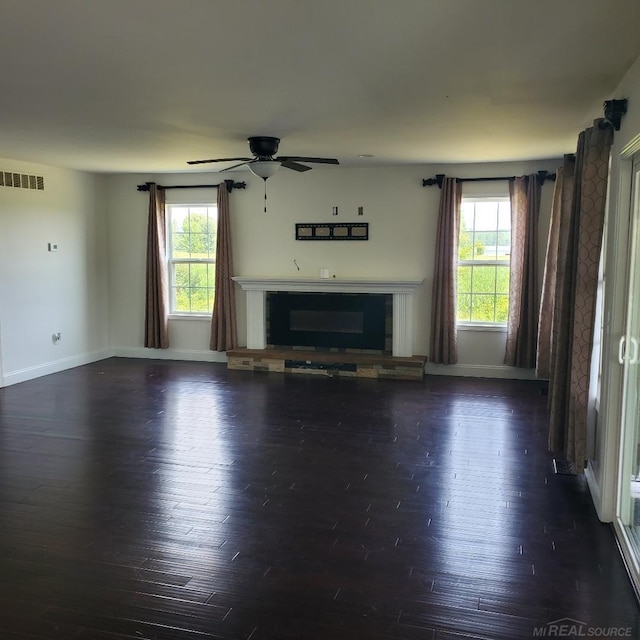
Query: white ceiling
x,y
145,85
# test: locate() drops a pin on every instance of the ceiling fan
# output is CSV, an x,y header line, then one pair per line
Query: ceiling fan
x,y
263,164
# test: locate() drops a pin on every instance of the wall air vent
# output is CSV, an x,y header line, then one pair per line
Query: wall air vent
x,y
21,180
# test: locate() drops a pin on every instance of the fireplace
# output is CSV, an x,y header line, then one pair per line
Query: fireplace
x,y
401,291
328,320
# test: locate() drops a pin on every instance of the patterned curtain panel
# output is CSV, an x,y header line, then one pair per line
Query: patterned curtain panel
x,y
582,207
223,321
522,326
443,342
156,333
547,297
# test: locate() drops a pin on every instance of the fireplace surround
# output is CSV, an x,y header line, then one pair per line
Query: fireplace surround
x,y
401,290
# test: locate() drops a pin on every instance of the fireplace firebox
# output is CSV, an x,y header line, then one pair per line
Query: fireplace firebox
x,y
327,320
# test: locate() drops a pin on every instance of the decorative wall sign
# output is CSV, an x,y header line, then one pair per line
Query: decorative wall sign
x,y
332,231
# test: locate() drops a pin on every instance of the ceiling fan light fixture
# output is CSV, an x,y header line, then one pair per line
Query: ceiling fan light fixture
x,y
264,168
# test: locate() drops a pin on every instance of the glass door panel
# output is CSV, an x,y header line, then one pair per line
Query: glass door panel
x,y
628,508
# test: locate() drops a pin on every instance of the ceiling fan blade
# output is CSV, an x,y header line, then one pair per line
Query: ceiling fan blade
x,y
218,160
241,164
306,159
290,164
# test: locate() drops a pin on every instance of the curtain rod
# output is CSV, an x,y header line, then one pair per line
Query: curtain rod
x,y
230,185
541,175
613,112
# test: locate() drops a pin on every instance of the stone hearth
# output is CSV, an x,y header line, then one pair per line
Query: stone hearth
x,y
328,363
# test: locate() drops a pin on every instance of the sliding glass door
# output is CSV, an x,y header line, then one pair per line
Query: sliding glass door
x,y
628,503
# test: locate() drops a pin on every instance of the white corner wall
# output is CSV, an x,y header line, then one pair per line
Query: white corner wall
x,y
401,213
43,292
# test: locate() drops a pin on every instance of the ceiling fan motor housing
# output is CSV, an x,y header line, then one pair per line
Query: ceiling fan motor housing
x,y
264,147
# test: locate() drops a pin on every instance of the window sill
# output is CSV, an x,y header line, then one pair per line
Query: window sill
x,y
189,316
501,328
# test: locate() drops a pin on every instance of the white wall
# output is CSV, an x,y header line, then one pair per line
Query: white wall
x,y
481,350
401,213
602,470
92,289
42,292
128,211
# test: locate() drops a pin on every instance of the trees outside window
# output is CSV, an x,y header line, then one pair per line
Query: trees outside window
x,y
191,254
484,248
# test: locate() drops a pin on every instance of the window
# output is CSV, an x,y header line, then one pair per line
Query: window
x,y
191,254
484,248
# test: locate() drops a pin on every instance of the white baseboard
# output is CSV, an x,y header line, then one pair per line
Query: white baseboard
x,y
594,487
596,493
37,371
22,375
170,354
480,371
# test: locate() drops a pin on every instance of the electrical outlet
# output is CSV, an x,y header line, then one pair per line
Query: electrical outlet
x,y
56,337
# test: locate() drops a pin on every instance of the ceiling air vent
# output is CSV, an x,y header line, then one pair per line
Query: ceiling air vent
x,y
21,180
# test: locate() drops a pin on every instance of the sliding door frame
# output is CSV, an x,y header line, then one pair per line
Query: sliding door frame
x,y
602,471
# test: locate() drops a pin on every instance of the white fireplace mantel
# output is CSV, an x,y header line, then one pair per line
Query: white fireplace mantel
x,y
402,291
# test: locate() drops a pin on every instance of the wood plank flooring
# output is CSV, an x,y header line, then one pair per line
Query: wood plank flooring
x,y
183,501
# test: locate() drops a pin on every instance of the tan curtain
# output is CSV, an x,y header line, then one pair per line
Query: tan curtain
x,y
156,333
522,326
223,321
547,297
582,207
443,343
563,312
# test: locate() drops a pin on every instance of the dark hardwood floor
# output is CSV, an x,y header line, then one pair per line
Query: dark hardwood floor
x,y
171,500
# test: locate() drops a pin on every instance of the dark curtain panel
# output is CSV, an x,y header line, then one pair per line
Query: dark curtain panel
x,y
522,326
582,208
563,310
223,321
156,333
443,343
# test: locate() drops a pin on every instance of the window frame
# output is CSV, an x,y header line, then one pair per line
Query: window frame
x,y
486,325
172,261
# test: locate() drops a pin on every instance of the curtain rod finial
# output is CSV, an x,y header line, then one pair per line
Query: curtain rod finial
x,y
613,112
543,176
439,179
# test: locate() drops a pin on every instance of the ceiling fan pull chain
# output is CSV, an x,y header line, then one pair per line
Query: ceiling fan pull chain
x,y
265,196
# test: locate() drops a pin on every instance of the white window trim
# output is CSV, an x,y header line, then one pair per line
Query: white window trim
x,y
470,325
189,316
483,263
481,326
182,315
